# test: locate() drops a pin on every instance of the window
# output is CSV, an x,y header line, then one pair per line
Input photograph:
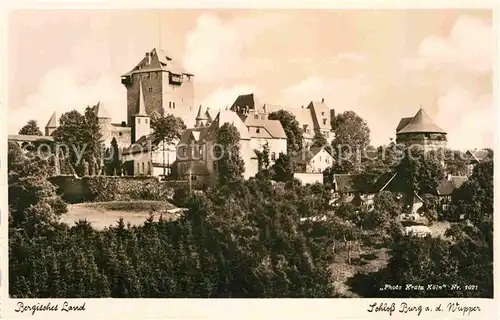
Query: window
x,y
145,120
324,121
257,130
273,156
327,160
138,120
150,89
143,167
120,134
137,169
319,158
193,177
322,113
173,105
215,165
201,152
170,104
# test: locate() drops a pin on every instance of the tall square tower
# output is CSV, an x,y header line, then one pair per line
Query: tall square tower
x,y
166,87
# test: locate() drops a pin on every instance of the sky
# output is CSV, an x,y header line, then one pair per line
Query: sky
x,y
382,64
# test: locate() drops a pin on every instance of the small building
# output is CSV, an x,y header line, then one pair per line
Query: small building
x,y
311,163
475,157
446,187
352,188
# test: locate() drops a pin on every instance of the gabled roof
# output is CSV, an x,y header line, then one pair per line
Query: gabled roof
x,y
351,183
225,116
316,109
307,155
191,132
446,186
52,123
478,156
420,123
273,127
101,112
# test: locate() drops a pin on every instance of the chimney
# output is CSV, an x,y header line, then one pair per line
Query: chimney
x,y
322,100
148,58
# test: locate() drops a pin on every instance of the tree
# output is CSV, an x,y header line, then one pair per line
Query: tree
x,y
230,165
319,141
79,138
474,199
31,129
263,157
165,130
283,168
455,162
292,129
113,165
421,170
429,208
352,136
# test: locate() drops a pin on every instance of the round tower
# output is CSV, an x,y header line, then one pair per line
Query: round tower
x,y
420,130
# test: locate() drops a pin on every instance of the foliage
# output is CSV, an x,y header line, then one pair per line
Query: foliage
x,y
230,165
80,140
166,128
292,129
421,170
455,162
430,208
352,136
263,157
283,168
113,163
319,141
31,129
101,188
233,242
474,199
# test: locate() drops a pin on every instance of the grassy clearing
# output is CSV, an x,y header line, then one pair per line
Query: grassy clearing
x,y
104,214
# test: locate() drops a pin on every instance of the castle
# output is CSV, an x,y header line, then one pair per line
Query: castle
x,y
158,85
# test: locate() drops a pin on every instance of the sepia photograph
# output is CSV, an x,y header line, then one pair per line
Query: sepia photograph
x,y
249,153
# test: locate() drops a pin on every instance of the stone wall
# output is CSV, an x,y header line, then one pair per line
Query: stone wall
x,y
109,188
310,178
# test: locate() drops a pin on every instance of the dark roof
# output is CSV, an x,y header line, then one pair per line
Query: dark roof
x,y
420,123
163,62
447,185
352,183
478,156
402,123
244,100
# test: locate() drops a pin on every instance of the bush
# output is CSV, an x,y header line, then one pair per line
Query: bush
x,y
101,188
181,196
150,191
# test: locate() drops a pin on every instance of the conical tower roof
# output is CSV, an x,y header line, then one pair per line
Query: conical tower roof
x,y
201,114
52,121
421,123
101,112
142,105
